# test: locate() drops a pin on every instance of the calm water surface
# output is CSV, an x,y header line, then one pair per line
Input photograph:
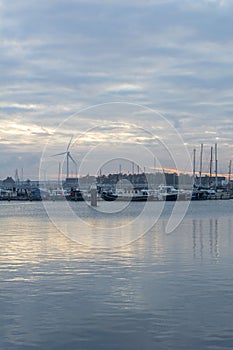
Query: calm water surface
x,y
164,291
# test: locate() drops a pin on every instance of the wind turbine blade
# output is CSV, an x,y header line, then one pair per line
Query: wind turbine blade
x,y
58,154
72,159
69,144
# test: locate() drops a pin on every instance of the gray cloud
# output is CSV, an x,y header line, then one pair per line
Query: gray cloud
x,y
59,56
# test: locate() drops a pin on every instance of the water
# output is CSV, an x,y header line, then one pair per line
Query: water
x,y
163,291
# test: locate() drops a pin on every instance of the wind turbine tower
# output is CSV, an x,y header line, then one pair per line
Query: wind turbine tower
x,y
68,158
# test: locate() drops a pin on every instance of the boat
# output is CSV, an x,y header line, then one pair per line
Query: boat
x,y
109,196
203,194
184,195
75,195
126,194
133,194
167,193
59,194
39,194
5,194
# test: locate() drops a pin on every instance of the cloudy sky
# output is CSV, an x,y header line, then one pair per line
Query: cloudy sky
x,y
60,57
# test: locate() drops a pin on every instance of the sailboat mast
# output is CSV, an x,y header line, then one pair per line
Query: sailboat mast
x,y
211,165
194,166
229,176
201,159
216,165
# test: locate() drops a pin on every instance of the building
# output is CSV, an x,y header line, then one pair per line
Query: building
x,y
9,184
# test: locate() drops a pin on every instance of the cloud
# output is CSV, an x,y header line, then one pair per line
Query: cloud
x,y
61,56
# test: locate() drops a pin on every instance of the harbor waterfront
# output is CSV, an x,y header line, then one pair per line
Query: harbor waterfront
x,y
135,187
162,291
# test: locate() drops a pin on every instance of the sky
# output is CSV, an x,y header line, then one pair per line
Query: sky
x,y
117,76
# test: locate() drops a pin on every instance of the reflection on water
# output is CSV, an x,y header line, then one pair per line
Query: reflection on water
x,y
212,226
164,291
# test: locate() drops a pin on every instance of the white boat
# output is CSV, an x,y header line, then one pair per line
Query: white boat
x,y
58,194
6,194
167,193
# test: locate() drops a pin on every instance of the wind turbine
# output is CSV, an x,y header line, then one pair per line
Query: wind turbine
x,y
68,157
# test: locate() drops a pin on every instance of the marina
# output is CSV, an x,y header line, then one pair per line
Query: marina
x,y
141,186
110,192
163,193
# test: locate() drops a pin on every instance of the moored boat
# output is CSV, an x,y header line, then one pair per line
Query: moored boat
x,y
75,195
109,196
126,194
167,193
